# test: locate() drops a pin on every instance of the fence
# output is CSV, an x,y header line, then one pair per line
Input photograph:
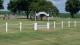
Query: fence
x,y
36,26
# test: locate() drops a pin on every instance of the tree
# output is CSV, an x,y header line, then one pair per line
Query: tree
x,y
43,5
30,5
19,5
1,2
12,6
72,6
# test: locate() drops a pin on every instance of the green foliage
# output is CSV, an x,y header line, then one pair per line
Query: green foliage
x,y
73,6
1,2
12,6
32,5
43,5
19,5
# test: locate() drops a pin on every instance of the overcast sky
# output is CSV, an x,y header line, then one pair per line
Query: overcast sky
x,y
60,4
5,4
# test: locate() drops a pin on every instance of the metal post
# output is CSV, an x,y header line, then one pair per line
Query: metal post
x,y
6,27
54,24
48,25
20,26
62,24
35,26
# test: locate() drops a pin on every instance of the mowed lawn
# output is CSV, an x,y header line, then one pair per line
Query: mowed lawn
x,y
66,36
57,37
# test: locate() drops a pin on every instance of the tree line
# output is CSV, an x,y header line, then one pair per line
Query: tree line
x,y
33,6
28,6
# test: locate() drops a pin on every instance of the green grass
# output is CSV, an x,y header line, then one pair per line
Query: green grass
x,y
58,36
